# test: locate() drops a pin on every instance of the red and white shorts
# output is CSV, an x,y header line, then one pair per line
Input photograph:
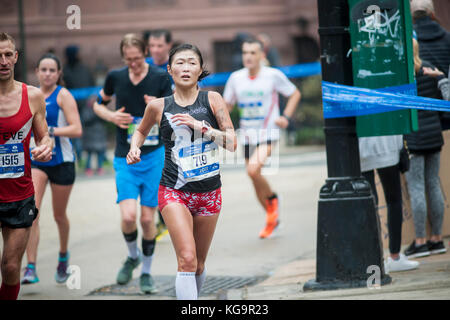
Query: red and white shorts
x,y
198,203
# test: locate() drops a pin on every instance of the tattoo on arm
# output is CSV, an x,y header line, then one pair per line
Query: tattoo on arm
x,y
224,136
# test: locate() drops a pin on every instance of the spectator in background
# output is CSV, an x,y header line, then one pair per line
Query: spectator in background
x,y
77,75
94,138
443,82
236,57
272,56
382,153
434,42
423,176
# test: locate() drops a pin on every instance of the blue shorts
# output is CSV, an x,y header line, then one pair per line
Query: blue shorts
x,y
140,179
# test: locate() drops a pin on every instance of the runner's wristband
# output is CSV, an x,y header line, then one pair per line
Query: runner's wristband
x,y
101,101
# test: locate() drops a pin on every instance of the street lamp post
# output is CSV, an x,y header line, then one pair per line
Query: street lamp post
x,y
348,228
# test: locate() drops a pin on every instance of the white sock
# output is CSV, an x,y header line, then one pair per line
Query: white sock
x,y
133,251
146,264
200,279
186,286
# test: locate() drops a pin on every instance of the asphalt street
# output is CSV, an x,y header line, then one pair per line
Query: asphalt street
x,y
97,247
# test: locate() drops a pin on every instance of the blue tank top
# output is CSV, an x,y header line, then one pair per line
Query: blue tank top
x,y
62,151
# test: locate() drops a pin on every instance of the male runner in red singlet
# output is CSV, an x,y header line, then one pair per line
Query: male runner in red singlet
x,y
22,110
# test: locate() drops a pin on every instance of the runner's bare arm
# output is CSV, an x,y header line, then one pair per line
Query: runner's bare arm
x,y
230,107
70,109
226,137
119,117
152,116
44,144
291,105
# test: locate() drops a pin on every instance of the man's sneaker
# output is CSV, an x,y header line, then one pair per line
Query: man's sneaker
x,y
61,274
126,273
401,264
147,284
414,251
436,247
272,221
30,275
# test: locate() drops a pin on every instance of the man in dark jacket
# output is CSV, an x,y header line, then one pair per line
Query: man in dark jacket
x,y
434,42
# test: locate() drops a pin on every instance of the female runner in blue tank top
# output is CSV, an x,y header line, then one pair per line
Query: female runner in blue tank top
x,y
193,124
63,122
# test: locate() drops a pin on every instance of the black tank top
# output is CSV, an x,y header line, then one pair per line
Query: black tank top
x,y
191,162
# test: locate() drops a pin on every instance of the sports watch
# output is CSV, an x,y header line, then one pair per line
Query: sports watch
x,y
206,127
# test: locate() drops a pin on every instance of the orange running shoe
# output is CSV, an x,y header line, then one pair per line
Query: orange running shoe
x,y
272,221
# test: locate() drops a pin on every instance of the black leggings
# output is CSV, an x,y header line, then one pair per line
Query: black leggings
x,y
390,180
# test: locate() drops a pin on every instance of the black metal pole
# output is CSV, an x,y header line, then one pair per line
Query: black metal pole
x,y
348,230
22,42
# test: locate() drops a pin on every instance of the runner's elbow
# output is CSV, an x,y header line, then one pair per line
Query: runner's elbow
x,y
78,132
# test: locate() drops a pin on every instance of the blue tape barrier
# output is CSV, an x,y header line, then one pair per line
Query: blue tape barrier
x,y
346,101
84,93
219,79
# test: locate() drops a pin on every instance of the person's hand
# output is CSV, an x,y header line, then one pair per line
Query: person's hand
x,y
42,153
148,98
186,119
134,156
432,72
282,122
121,118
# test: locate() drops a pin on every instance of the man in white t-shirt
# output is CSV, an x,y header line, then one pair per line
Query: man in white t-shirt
x,y
255,90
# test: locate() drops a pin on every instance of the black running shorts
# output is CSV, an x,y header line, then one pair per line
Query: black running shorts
x,y
62,174
250,148
18,214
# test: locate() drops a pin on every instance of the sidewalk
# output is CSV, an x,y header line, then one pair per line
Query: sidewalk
x,y
431,281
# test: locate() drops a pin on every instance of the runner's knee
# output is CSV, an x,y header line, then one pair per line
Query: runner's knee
x,y
60,218
187,261
10,267
253,171
146,220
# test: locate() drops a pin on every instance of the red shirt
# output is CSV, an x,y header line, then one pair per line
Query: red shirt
x,y
15,162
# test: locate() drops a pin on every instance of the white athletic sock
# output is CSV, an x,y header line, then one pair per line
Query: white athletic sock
x,y
200,279
146,264
133,251
186,286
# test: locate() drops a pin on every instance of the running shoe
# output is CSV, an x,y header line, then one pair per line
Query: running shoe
x,y
61,274
126,273
436,247
30,275
272,221
88,172
417,251
147,284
